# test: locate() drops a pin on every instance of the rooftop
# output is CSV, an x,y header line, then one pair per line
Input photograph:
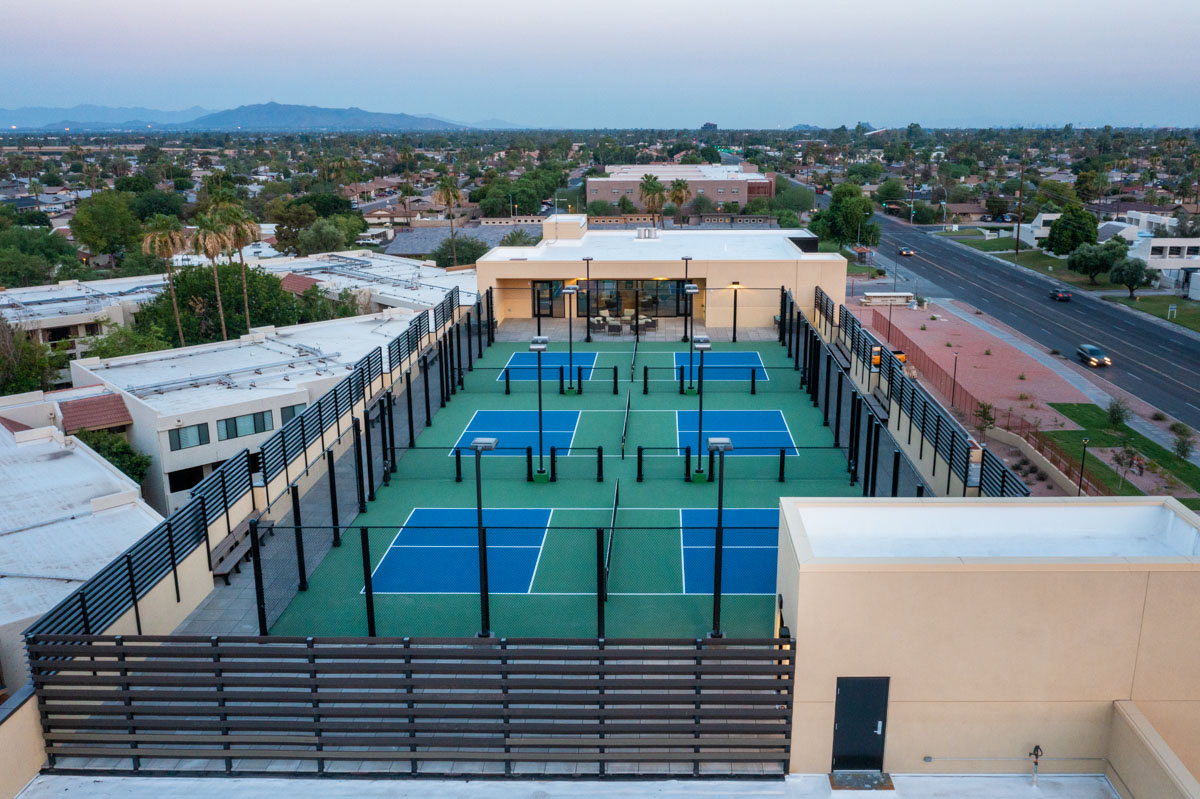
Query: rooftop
x,y
74,297
265,363
685,171
668,245
1037,529
67,513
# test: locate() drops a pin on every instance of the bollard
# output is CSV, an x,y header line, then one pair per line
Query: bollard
x,y
753,380
615,389
507,382
529,464
579,379
681,380
553,464
645,379
457,465
687,463
782,455
562,385
641,453
599,464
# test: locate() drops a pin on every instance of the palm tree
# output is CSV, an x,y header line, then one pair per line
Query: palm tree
x,y
242,230
679,193
652,193
212,239
35,188
165,238
448,193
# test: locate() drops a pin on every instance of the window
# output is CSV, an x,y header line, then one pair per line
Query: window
x,y
629,191
1193,252
720,191
1156,252
735,191
288,411
699,191
595,191
183,479
186,437
1175,252
236,426
59,333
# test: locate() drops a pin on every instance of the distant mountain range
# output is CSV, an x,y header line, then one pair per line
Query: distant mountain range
x,y
258,117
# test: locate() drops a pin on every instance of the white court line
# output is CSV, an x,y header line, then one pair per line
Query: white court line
x,y
682,563
541,547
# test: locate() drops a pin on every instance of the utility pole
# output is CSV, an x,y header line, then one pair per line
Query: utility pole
x,y
1020,206
912,194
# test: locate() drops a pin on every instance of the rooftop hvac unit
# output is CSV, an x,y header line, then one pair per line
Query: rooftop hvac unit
x,y
647,233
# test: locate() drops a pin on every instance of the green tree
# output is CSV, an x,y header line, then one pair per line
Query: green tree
x,y
324,204
996,206
26,364
125,340
116,450
1118,413
314,306
211,240
165,239
133,183
449,195
625,205
519,237
1133,274
890,189
847,217
324,236
149,203
1076,226
985,419
679,193
468,250
703,204
19,269
289,221
1184,442
653,194
105,224
787,219
1094,260
600,208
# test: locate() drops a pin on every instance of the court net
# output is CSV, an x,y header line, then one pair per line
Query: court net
x,y
609,535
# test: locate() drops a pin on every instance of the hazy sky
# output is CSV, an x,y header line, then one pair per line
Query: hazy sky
x,y
623,63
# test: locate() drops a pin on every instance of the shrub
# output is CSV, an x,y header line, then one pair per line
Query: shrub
x,y
1158,416
1185,440
1042,477
1118,413
948,344
1022,396
922,327
987,352
1021,376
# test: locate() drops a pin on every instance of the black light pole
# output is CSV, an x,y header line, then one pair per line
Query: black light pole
x,y
690,290
588,272
1082,460
686,260
538,345
736,285
704,345
720,446
954,381
571,291
481,445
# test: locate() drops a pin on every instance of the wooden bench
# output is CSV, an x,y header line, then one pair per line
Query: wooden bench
x,y
228,554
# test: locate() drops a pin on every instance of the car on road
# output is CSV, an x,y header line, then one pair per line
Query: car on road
x,y
1059,295
906,250
1091,355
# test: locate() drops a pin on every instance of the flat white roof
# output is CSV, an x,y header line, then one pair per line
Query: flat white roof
x,y
669,245
75,297
267,362
1034,529
685,171
51,538
393,281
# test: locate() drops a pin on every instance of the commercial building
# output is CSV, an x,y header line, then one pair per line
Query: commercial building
x,y
720,183
67,513
952,635
640,274
194,407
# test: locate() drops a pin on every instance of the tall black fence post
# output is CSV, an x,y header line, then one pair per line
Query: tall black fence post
x,y
852,441
358,467
828,372
601,587
470,357
441,357
866,471
735,293
837,413
370,454
875,459
782,312
335,520
895,473
298,529
458,351
412,435
425,383
368,587
260,601
175,566
391,409
137,614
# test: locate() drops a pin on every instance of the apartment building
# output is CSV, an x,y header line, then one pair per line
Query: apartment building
x,y
194,407
720,183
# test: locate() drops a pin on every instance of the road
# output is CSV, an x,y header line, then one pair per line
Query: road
x,y
1151,361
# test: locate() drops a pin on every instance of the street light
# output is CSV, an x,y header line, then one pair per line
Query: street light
x,y
686,260
538,345
570,291
587,265
690,290
719,446
482,445
1082,460
703,344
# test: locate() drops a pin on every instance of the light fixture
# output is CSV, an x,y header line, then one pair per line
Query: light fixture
x,y
691,288
538,343
702,342
719,444
484,444
570,289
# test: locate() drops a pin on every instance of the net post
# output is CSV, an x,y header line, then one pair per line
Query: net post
x,y
260,601
425,383
553,464
712,461
579,379
470,356
561,382
333,501
599,464
507,382
358,467
298,531
782,453
370,456
457,465
645,379
601,583
895,473
687,463
529,464
368,588
412,437
615,389
641,455
753,379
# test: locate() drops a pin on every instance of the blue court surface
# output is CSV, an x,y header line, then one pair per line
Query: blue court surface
x,y
752,432
517,430
723,366
523,365
436,551
751,542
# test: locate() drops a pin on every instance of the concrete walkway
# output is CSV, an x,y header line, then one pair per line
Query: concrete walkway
x,y
807,786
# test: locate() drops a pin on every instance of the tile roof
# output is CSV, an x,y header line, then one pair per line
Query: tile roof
x,y
297,284
94,413
12,425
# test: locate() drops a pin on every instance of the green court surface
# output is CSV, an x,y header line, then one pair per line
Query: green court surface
x,y
648,568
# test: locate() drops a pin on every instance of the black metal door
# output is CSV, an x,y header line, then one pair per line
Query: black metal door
x,y
859,723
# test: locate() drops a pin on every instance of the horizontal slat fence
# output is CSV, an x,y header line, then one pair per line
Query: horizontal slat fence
x,y
230,704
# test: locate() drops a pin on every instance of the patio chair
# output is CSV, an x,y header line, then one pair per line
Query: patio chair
x,y
614,327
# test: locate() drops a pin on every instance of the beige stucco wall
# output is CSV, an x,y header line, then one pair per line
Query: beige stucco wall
x,y
21,749
160,612
989,657
1143,763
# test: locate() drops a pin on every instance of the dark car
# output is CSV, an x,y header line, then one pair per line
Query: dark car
x,y
1091,355
907,251
1059,295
